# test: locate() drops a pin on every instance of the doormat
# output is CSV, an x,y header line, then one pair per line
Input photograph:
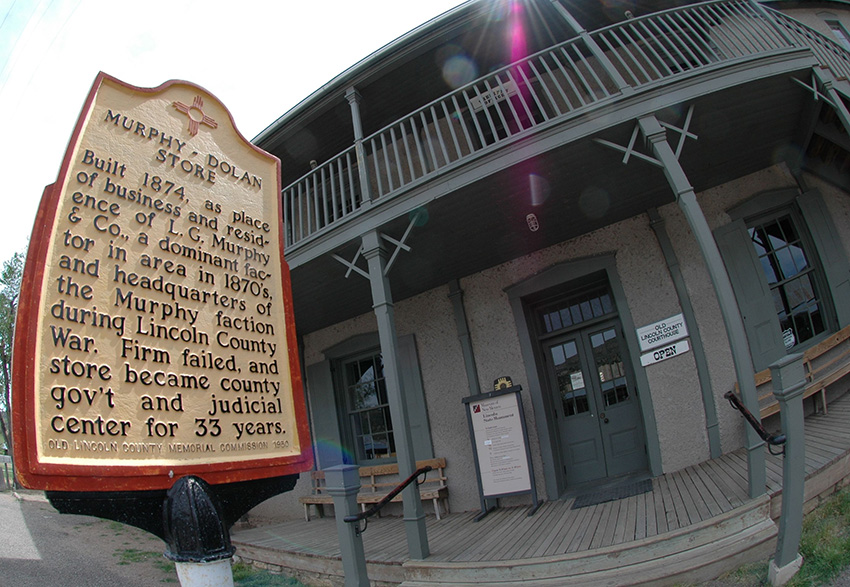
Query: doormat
x,y
611,493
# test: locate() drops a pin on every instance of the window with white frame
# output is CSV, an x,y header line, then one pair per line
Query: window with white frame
x,y
368,411
789,270
792,276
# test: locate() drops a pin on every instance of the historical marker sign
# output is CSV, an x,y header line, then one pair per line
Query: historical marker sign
x,y
155,335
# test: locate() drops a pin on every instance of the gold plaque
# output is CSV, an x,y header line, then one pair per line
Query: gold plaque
x,y
156,335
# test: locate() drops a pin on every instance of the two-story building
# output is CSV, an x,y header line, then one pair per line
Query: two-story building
x,y
531,189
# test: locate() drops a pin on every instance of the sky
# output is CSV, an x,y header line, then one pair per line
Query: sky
x,y
259,57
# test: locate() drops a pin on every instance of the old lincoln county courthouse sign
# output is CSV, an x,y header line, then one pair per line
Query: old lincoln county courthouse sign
x,y
156,337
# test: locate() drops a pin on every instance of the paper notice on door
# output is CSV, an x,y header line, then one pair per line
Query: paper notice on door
x,y
577,380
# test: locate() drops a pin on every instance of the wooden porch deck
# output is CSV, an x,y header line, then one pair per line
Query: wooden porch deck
x,y
700,506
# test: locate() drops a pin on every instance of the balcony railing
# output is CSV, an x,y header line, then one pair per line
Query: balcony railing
x,y
548,87
828,52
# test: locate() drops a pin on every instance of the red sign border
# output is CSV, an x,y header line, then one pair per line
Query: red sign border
x,y
34,474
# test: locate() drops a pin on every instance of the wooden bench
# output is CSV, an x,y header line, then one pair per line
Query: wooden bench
x,y
820,374
377,481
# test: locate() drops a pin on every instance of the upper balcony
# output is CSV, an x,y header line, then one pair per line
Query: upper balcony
x,y
565,92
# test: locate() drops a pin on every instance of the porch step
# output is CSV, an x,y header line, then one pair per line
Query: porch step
x,y
694,553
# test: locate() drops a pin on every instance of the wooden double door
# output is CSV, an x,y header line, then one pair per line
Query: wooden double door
x,y
596,404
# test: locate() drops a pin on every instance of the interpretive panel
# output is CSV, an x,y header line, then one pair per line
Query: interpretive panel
x,y
500,445
156,335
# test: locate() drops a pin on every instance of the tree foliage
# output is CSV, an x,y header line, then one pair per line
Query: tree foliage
x,y
10,287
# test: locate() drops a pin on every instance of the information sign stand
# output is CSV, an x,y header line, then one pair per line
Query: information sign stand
x,y
500,444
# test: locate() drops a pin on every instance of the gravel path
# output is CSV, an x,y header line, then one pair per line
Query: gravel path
x,y
40,547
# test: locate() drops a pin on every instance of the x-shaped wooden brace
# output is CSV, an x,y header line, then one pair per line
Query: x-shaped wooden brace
x,y
399,246
352,266
823,88
815,90
684,133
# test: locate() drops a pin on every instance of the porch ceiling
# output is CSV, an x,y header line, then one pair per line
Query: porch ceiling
x,y
572,190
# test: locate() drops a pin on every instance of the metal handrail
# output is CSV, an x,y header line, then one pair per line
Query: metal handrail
x,y
770,439
387,499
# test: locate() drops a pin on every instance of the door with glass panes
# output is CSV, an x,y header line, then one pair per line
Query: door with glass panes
x,y
596,404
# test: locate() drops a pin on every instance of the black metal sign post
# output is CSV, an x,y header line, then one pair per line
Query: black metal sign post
x,y
500,445
193,517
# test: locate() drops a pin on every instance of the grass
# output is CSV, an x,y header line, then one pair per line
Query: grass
x,y
116,527
244,575
824,545
134,555
751,575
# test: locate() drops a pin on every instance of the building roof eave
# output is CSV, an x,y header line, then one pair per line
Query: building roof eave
x,y
393,51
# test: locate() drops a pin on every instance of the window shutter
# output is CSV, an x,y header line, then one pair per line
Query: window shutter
x,y
420,430
326,434
752,293
831,252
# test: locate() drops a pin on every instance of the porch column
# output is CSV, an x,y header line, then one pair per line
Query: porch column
x,y
687,200
342,482
456,296
354,98
789,383
414,514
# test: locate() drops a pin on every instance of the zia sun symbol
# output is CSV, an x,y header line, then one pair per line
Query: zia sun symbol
x,y
196,115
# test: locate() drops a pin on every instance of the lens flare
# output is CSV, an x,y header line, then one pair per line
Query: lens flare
x,y
518,43
594,202
459,70
789,153
419,217
327,451
303,145
538,187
